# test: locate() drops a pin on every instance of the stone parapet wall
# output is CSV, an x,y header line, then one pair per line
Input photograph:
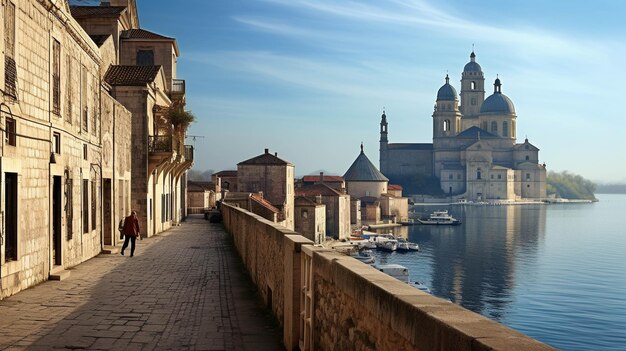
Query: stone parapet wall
x,y
352,305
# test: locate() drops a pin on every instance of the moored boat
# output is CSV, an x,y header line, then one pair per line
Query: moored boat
x,y
401,273
404,245
439,218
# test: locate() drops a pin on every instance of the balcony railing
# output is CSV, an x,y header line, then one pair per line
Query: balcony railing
x,y
188,152
160,143
178,86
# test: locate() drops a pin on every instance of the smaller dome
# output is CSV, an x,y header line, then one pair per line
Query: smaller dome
x,y
446,92
472,66
498,103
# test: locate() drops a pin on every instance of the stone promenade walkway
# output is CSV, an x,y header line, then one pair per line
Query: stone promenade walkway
x,y
184,290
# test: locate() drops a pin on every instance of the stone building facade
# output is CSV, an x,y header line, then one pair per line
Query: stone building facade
x,y
65,157
310,218
337,207
274,177
474,153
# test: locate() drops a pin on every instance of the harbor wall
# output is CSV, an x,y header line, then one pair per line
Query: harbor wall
x,y
328,301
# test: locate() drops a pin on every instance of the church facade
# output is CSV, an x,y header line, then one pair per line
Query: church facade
x,y
474,154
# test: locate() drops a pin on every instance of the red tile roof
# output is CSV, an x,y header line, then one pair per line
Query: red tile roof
x,y
317,189
394,187
96,11
143,34
261,201
316,178
131,75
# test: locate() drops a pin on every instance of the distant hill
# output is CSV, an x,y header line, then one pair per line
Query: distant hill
x,y
571,186
611,188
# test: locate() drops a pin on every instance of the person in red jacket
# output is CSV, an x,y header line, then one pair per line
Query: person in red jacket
x,y
131,232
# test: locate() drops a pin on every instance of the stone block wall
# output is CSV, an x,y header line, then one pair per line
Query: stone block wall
x,y
354,306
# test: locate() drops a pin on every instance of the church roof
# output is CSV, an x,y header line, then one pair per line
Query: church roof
x,y
227,173
497,103
406,146
362,170
265,159
131,75
472,66
476,133
527,146
446,92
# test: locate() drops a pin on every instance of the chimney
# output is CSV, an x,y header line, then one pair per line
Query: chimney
x,y
267,151
276,154
322,177
318,199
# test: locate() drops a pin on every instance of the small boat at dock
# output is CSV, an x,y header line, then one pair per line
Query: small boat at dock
x,y
439,218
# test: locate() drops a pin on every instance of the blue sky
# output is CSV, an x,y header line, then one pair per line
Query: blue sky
x,y
309,78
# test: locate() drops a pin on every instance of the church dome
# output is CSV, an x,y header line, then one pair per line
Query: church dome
x,y
446,92
498,103
472,66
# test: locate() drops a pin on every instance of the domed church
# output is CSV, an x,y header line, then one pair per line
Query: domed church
x,y
474,154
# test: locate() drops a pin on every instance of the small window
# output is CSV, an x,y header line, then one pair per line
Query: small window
x,y
492,176
527,157
56,142
85,152
526,147
145,58
85,193
527,176
450,176
505,129
473,85
494,127
305,214
473,101
56,78
93,205
499,176
11,131
446,125
458,176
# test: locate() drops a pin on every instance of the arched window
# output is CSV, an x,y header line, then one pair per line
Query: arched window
x,y
527,157
494,127
478,173
473,85
446,125
505,129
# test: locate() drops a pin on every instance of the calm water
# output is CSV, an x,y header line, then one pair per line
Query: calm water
x,y
556,272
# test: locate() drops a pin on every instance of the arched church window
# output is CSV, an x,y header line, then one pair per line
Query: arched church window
x,y
527,158
505,129
473,85
446,125
494,127
478,173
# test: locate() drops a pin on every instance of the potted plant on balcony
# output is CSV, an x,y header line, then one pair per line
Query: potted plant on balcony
x,y
180,118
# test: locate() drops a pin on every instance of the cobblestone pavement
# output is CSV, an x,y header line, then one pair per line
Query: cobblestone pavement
x,y
185,289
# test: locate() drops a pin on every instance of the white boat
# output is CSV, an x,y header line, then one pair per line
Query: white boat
x,y
404,245
401,273
439,218
385,242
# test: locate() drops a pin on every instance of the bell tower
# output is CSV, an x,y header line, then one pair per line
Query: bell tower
x,y
472,89
383,143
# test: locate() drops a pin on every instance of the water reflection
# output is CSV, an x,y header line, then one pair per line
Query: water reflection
x,y
474,264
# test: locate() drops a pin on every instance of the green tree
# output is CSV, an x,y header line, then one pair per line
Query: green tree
x,y
567,185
